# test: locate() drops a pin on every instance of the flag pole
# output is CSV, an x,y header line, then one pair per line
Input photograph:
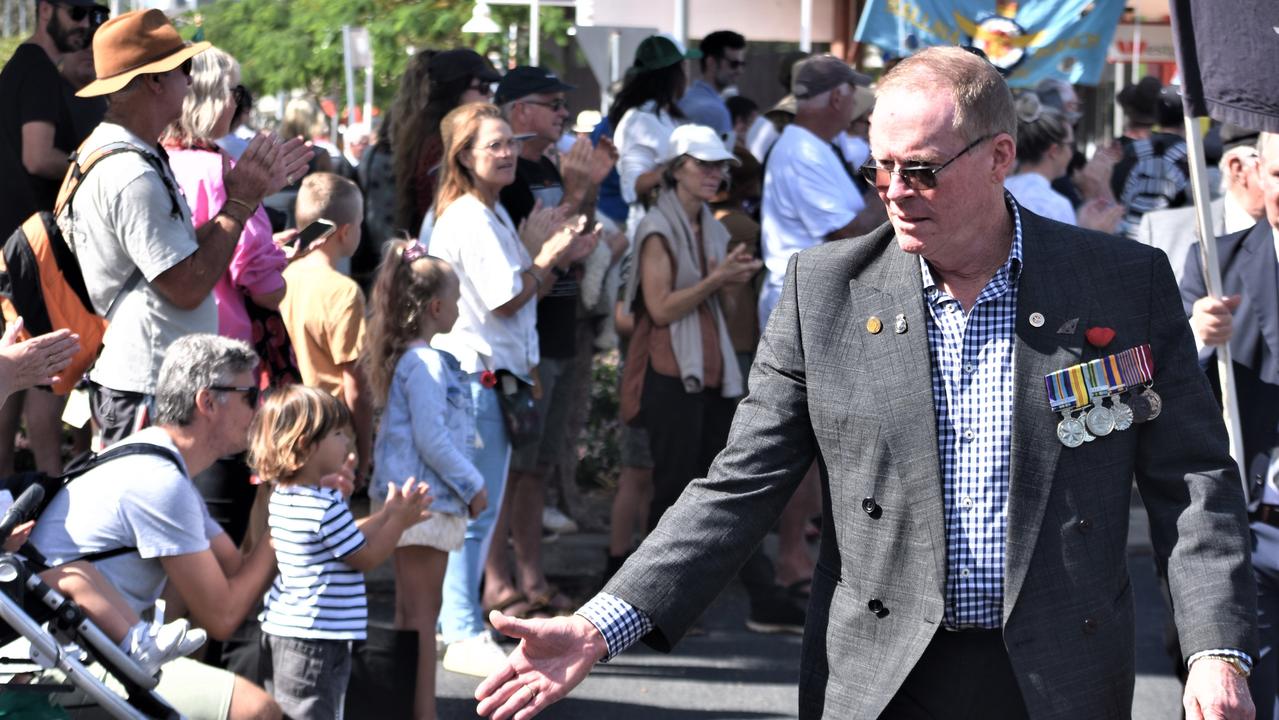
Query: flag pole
x,y
1212,281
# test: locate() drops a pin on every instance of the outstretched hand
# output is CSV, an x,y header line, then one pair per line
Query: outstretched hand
x,y
553,657
38,361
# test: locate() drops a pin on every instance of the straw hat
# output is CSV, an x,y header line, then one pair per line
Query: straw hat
x,y
136,43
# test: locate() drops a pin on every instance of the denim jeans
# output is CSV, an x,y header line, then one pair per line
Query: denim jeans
x,y
308,678
461,616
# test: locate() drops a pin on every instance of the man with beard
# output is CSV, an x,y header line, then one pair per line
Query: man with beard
x,y
37,133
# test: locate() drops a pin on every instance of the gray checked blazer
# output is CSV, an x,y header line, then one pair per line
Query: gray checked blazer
x,y
825,388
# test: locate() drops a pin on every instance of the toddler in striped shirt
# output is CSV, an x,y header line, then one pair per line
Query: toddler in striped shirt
x,y
300,441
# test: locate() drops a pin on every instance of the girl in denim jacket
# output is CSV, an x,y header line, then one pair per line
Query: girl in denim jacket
x,y
427,432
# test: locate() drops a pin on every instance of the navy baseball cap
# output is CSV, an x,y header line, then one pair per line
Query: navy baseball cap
x,y
528,80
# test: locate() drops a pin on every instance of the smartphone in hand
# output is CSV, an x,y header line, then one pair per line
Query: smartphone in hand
x,y
312,234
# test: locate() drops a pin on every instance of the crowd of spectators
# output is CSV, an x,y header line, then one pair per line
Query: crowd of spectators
x,y
509,245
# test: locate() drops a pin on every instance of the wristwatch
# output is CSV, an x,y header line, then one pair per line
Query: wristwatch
x,y
1240,669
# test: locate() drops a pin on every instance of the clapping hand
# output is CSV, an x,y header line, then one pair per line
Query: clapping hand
x,y
268,165
553,657
540,225
738,266
1099,214
37,361
407,504
344,479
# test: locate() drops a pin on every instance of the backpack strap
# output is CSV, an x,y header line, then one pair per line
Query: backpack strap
x,y
89,462
78,170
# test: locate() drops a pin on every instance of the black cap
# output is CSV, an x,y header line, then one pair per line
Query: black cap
x,y
527,80
1141,101
460,63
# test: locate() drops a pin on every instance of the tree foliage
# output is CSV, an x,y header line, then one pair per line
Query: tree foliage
x,y
284,45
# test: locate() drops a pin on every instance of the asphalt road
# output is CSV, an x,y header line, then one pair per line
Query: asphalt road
x,y
729,672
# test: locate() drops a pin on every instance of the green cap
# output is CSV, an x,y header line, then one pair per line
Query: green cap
x,y
659,51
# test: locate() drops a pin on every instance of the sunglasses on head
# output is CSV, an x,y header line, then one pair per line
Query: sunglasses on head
x,y
915,177
251,392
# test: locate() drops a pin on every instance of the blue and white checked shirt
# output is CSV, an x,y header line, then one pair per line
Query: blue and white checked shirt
x,y
972,376
972,371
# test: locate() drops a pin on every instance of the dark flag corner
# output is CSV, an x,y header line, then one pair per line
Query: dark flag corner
x,y
1228,51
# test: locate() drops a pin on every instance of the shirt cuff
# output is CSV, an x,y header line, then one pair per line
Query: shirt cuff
x,y
1225,652
621,624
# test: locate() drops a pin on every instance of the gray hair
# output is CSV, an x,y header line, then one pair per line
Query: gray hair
x,y
194,363
1242,152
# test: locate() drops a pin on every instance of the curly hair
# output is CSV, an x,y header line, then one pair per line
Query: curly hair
x,y
401,292
291,423
420,104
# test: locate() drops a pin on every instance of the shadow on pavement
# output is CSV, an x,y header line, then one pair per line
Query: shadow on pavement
x,y
573,709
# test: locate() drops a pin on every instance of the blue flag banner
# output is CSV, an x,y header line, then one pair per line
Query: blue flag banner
x,y
1028,41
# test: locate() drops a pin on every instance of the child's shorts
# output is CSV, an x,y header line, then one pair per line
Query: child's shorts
x,y
440,531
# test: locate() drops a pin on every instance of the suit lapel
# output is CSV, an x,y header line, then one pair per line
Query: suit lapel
x,y
1037,352
894,287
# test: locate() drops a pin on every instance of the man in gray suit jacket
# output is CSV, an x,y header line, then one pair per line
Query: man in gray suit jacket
x,y
971,566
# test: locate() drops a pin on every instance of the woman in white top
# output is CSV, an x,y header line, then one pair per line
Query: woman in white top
x,y
1045,143
501,276
645,112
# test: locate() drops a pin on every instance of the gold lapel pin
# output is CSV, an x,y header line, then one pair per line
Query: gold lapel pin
x,y
873,325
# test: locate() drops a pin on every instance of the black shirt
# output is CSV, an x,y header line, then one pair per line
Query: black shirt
x,y
557,312
31,90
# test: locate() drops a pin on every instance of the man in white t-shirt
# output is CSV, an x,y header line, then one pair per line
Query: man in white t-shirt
x,y
205,400
147,269
809,194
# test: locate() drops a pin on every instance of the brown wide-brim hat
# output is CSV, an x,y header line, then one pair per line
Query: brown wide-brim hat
x,y
136,43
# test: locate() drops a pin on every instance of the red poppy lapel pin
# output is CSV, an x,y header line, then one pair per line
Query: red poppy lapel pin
x,y
488,379
1099,337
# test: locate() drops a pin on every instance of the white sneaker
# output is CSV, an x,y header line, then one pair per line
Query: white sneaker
x,y
153,644
478,656
557,522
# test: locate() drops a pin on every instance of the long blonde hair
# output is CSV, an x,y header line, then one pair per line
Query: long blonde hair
x,y
213,75
458,130
401,292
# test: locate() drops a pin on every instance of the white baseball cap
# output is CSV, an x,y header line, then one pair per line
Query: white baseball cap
x,y
700,142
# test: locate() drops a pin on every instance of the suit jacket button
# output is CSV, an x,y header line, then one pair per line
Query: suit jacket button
x,y
1084,525
1090,626
872,508
876,607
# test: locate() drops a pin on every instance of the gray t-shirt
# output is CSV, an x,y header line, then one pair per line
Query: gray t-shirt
x,y
122,219
141,501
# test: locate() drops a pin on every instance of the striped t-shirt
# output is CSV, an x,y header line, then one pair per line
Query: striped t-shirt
x,y
316,595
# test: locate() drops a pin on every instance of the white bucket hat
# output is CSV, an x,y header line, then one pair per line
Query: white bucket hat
x,y
700,142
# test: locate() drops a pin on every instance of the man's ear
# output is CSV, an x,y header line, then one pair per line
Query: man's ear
x,y
204,400
1005,155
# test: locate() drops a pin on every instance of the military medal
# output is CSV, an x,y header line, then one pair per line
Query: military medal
x,y
1109,367
1100,420
1138,370
1067,393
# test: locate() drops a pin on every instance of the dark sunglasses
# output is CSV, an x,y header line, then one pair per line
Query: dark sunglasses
x,y
251,392
77,13
555,105
736,64
482,87
915,177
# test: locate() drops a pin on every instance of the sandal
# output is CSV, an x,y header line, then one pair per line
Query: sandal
x,y
554,601
515,597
